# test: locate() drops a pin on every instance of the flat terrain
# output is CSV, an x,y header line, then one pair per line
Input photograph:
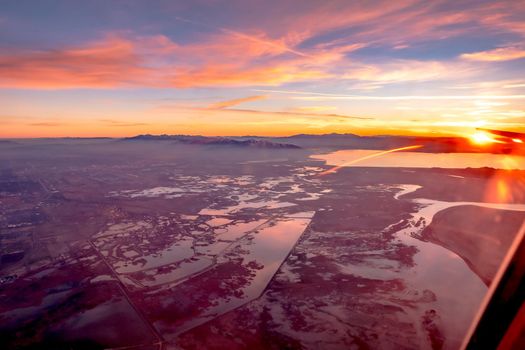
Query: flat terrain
x,y
481,236
149,245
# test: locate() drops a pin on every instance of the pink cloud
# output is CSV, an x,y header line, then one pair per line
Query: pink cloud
x,y
105,63
269,50
226,59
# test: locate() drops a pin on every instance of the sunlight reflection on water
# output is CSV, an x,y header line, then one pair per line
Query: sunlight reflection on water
x,y
424,160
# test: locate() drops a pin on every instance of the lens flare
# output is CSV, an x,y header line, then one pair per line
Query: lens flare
x,y
378,154
506,185
481,138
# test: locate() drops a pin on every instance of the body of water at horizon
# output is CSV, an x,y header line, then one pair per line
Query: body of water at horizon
x,y
351,158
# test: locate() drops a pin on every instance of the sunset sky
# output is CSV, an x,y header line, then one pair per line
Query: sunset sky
x,y
121,68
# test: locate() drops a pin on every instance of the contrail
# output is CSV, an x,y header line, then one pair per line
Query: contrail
x,y
378,154
245,36
320,96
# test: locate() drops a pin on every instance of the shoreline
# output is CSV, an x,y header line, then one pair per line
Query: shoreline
x,y
482,241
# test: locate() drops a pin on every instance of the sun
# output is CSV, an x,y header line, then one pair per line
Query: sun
x,y
481,138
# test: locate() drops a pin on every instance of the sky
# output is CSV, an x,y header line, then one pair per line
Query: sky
x,y
122,68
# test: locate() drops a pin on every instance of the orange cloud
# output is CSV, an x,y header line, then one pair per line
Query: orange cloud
x,y
315,109
499,54
236,75
235,102
106,63
119,123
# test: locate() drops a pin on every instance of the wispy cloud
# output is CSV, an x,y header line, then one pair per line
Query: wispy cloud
x,y
314,109
398,71
412,97
120,123
49,124
319,96
490,85
302,114
248,112
235,102
279,46
499,54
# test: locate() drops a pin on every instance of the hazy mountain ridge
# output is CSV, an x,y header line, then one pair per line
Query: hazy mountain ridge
x,y
324,142
216,141
334,141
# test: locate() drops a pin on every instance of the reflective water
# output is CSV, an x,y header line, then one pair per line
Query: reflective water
x,y
262,252
215,222
180,250
423,160
459,291
269,204
184,270
239,229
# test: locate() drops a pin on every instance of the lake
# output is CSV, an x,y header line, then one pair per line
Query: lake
x,y
422,160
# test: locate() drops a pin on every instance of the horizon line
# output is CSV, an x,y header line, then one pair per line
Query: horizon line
x,y
223,136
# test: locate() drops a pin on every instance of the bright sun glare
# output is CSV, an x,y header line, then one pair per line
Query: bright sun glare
x,y
481,138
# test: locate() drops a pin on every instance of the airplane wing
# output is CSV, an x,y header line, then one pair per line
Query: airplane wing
x,y
506,136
